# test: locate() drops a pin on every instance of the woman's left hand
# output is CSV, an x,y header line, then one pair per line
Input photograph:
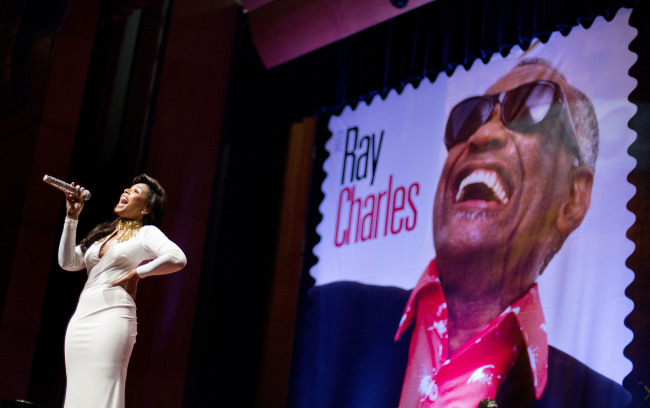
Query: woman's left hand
x,y
129,282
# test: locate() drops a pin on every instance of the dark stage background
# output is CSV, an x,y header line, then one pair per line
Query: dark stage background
x,y
98,91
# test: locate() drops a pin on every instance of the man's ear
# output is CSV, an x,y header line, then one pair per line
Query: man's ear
x,y
577,203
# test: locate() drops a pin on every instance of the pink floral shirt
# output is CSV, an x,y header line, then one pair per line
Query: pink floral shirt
x,y
475,371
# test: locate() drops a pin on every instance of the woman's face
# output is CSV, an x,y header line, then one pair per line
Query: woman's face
x,y
133,202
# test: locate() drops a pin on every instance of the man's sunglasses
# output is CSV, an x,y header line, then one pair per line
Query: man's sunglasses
x,y
526,108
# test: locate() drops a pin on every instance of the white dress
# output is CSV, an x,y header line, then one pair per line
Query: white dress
x,y
102,331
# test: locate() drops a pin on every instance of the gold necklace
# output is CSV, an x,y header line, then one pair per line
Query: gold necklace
x,y
129,227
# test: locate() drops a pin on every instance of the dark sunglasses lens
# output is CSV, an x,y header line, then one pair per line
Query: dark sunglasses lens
x,y
465,118
528,105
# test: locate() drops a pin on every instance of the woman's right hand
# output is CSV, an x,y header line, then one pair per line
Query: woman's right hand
x,y
74,203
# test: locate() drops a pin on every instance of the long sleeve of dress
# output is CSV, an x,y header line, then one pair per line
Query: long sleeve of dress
x,y
167,257
71,258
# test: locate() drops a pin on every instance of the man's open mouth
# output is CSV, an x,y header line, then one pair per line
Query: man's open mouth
x,y
483,185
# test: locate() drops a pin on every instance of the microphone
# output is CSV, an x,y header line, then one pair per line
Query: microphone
x,y
488,403
647,397
65,187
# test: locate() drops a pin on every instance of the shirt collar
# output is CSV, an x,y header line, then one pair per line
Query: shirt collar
x,y
527,310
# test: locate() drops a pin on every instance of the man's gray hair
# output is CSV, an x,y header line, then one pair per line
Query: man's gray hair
x,y
584,119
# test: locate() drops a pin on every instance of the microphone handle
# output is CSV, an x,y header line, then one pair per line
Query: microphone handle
x,y
644,401
66,187
647,397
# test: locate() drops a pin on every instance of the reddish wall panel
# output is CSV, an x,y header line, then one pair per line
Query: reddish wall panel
x,y
286,29
34,234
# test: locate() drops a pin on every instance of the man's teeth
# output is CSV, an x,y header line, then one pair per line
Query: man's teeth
x,y
489,179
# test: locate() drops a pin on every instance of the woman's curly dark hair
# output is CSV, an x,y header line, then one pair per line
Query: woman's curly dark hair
x,y
155,203
155,200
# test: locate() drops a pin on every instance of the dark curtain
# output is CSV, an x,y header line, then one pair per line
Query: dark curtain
x,y
435,38
639,319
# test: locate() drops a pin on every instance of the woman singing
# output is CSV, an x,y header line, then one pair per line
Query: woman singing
x,y
116,254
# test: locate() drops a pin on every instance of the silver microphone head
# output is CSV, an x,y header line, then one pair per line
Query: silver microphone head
x,y
68,188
